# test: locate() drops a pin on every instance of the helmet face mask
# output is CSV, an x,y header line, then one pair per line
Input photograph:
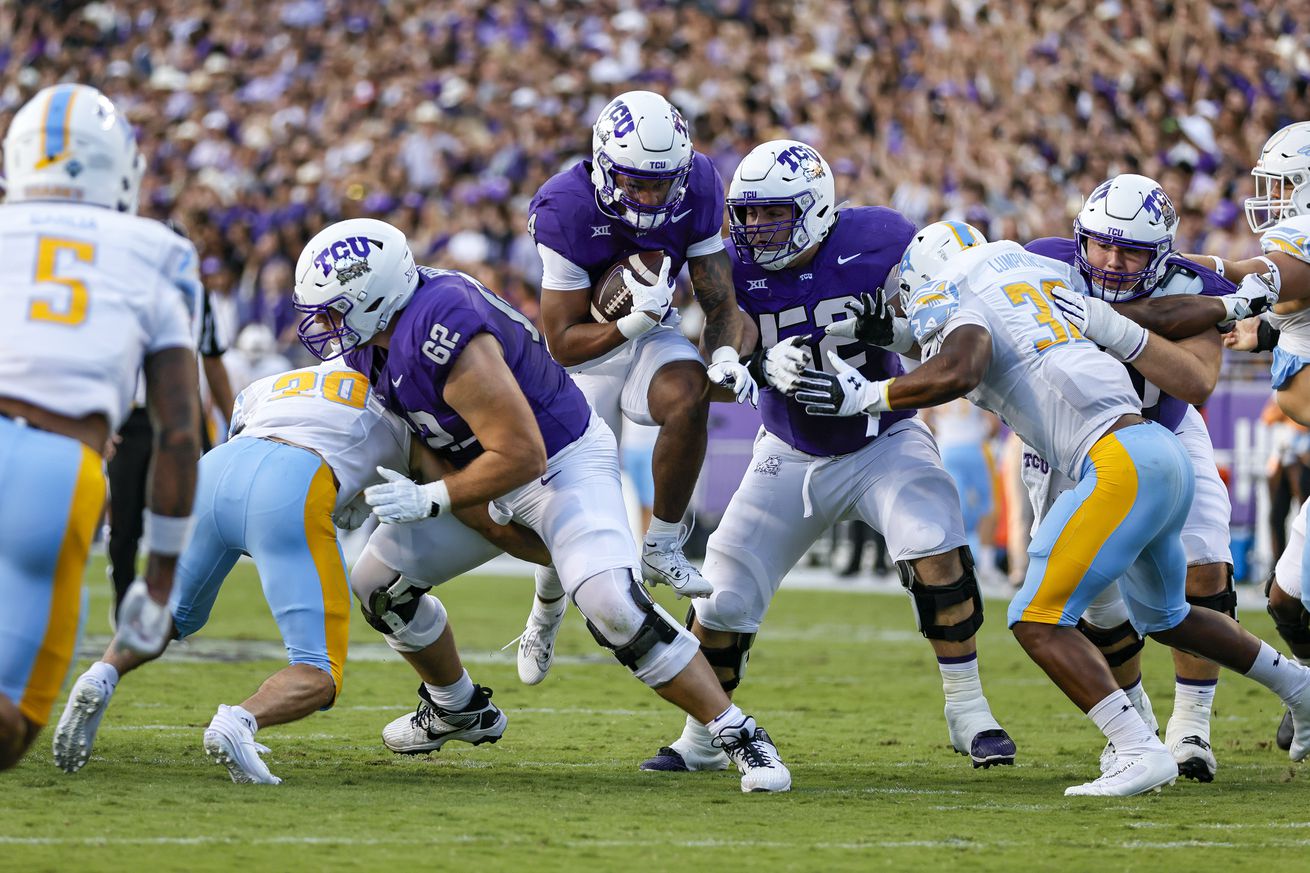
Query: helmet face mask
x,y
780,173
640,145
1282,178
70,143
1131,213
351,280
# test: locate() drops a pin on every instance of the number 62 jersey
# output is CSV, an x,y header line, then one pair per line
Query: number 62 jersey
x,y
1054,388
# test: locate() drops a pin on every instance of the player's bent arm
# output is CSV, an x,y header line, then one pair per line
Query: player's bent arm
x,y
572,335
173,399
957,368
483,391
514,539
1175,317
1188,369
711,281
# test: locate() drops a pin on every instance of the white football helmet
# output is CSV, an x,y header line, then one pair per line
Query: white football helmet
x,y
70,143
787,173
928,307
640,135
351,279
1282,178
1130,212
928,253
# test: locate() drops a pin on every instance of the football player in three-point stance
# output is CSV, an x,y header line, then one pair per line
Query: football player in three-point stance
x,y
88,293
646,189
1123,245
986,326
796,263
472,378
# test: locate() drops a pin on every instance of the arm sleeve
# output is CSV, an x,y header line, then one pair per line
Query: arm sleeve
x,y
561,274
707,246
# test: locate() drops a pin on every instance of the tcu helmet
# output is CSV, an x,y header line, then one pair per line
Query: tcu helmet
x,y
642,136
1282,178
1129,212
783,172
70,143
351,279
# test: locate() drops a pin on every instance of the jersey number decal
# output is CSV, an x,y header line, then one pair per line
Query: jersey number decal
x,y
1022,292
47,260
339,386
440,343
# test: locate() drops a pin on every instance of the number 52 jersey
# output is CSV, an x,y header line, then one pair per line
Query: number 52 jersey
x,y
85,294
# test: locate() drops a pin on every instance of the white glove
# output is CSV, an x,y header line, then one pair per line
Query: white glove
x,y
649,302
727,371
846,393
1256,293
401,499
143,625
1097,320
784,363
352,515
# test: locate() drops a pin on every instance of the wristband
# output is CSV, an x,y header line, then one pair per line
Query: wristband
x,y
1275,274
1218,264
724,354
1266,337
167,534
634,324
439,494
883,402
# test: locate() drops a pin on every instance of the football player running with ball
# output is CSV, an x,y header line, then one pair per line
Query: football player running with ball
x,y
644,189
986,327
472,378
797,263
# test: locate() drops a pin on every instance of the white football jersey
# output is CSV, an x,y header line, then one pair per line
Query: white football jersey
x,y
1058,391
1291,237
86,294
332,410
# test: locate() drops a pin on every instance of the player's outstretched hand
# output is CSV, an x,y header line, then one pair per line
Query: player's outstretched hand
x,y
784,363
1256,293
1099,322
727,371
401,499
843,392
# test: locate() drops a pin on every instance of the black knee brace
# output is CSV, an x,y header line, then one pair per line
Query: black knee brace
x,y
387,611
1103,638
731,657
928,599
655,629
1295,632
1225,601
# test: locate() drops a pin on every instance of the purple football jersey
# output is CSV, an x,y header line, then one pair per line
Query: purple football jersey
x,y
565,217
1156,404
447,310
857,254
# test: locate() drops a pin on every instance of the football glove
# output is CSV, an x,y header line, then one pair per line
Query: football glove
x,y
873,323
727,371
1256,293
784,363
401,499
844,392
1098,321
649,302
144,626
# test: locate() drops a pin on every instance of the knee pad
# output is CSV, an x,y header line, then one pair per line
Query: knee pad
x,y
428,624
1104,638
1225,601
1107,609
1294,628
408,617
928,599
725,609
730,657
643,637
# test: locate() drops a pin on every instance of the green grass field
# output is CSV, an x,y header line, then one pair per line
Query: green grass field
x,y
846,687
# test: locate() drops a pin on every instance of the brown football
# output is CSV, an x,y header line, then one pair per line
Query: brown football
x,y
610,298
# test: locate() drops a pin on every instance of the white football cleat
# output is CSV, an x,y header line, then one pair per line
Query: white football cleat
x,y
756,757
1109,758
1134,773
230,742
76,731
1299,705
431,727
667,565
975,732
537,645
1189,743
685,757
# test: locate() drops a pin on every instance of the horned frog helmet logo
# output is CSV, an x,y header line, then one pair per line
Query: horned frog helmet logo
x,y
812,169
349,269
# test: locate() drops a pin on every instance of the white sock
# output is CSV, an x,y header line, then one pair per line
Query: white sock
x,y
1193,701
695,735
1121,723
1277,672
1137,697
662,532
106,673
548,613
960,682
241,713
548,585
731,719
453,697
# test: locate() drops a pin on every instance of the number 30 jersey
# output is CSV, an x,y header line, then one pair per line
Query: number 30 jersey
x,y
86,294
1054,388
332,410
447,310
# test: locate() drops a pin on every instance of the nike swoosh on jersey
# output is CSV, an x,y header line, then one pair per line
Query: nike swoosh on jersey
x,y
679,217
395,383
842,260
545,480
